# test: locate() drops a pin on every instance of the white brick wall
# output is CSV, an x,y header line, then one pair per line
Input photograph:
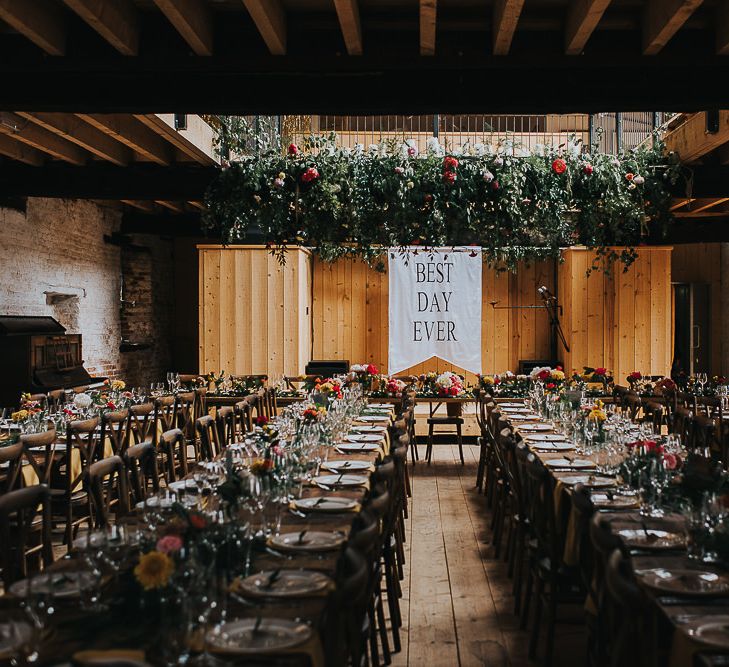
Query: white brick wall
x,y
58,245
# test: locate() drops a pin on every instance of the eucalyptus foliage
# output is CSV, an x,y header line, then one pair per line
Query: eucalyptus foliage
x,y
515,204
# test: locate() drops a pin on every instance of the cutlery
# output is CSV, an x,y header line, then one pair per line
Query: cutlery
x,y
297,513
301,536
257,626
272,578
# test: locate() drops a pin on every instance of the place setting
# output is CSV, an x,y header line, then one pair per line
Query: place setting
x,y
342,480
570,463
652,539
283,583
307,540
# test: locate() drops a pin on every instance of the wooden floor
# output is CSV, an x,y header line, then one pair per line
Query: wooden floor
x,y
457,604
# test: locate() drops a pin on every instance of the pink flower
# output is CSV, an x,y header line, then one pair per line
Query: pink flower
x,y
311,174
412,151
588,169
449,177
169,544
670,461
399,170
293,149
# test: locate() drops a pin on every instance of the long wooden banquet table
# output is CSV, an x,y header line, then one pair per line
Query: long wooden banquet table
x,y
678,610
105,634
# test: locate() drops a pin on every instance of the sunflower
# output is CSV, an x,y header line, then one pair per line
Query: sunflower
x,y
154,570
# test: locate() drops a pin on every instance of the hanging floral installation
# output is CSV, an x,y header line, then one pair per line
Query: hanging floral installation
x,y
515,204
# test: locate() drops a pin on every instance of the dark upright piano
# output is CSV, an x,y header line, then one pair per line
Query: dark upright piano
x,y
37,356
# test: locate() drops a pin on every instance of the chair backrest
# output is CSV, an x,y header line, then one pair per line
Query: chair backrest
x,y
631,404
142,425
655,413
541,510
12,457
584,511
83,436
185,413
244,415
43,457
226,423
108,487
207,431
141,464
683,425
604,542
174,445
20,549
704,435
164,413
201,402
115,427
56,399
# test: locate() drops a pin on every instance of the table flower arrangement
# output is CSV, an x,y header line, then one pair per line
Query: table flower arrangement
x,y
553,379
329,388
449,384
505,385
365,374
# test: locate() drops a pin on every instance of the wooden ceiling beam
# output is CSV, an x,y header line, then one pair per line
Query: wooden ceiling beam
x,y
722,29
270,19
582,19
193,20
691,140
711,204
41,139
164,126
171,205
117,22
349,21
80,133
506,17
428,12
662,20
38,20
133,134
197,204
680,204
147,206
20,152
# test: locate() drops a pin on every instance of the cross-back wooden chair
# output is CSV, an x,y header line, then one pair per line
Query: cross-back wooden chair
x,y
683,425
39,450
631,405
115,428
207,431
142,424
185,413
243,417
201,407
11,467
141,464
82,444
654,413
173,450
56,399
226,422
164,414
24,541
704,436
107,481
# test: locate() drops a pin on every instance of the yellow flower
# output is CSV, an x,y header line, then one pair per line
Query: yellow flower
x,y
597,415
487,379
154,570
118,385
24,398
599,405
19,416
557,375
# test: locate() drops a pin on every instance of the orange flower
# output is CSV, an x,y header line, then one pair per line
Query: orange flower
x,y
154,570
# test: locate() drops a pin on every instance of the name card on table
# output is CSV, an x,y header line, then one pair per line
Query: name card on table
x,y
435,307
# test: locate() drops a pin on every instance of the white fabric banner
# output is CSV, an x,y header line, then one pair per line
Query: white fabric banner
x,y
435,308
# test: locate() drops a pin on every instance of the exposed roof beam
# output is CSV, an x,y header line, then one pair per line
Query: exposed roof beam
x,y
348,14
117,22
680,204
141,205
662,20
710,204
691,140
40,138
20,152
193,20
196,142
39,21
80,133
706,214
428,11
197,204
506,16
171,205
133,134
582,19
269,17
722,29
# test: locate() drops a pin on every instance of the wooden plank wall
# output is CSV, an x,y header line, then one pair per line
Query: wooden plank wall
x,y
621,320
254,315
350,316
701,263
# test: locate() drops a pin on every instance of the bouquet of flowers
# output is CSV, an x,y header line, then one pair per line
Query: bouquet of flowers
x,y
505,385
449,384
330,387
552,378
393,386
365,374
641,385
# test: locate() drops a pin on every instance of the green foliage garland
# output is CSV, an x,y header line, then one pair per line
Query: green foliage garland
x,y
341,202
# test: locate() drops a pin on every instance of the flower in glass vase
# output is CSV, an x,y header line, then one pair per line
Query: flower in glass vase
x,y
330,387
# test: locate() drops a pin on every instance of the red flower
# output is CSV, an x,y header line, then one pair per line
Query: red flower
x,y
550,385
293,149
635,375
198,521
600,371
428,197
450,163
111,405
558,368
261,420
311,174
495,185
449,177
630,176
588,169
372,369
68,412
559,166
670,461
543,375
497,380
453,391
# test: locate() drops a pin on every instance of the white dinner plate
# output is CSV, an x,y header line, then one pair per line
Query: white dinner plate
x,y
325,504
576,464
349,447
545,437
363,437
535,427
346,465
342,479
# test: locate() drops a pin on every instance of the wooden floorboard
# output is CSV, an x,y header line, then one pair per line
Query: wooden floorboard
x,y
457,601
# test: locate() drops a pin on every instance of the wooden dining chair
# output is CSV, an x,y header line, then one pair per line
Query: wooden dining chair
x,y
683,425
654,413
172,449
39,449
142,424
631,405
56,399
164,414
142,475
207,431
107,480
115,429
25,532
244,414
704,436
201,405
225,420
11,467
74,501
